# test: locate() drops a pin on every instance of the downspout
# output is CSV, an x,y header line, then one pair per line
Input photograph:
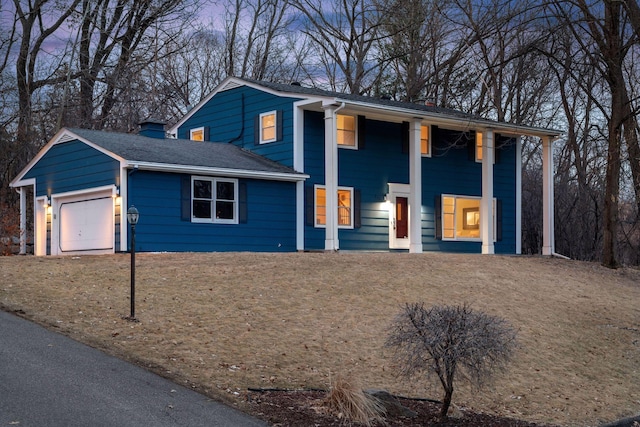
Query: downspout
x,y
241,134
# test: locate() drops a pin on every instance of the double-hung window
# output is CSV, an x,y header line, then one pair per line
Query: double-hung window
x,y
268,127
345,207
346,128
214,200
425,141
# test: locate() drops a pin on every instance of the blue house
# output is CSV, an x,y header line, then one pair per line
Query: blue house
x,y
260,166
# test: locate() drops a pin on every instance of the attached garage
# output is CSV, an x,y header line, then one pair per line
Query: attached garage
x,y
83,223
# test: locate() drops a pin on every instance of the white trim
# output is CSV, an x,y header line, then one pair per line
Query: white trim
x,y
548,244
351,226
23,221
233,83
273,113
355,132
455,238
229,173
40,226
395,191
214,200
487,226
384,112
300,215
415,187
63,136
518,195
78,196
194,130
298,165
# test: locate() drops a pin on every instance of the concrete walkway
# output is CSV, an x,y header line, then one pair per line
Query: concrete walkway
x,y
47,379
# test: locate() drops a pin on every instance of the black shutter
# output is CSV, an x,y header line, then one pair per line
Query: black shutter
x,y
185,198
437,220
362,126
206,136
499,142
242,203
404,137
279,125
471,147
308,206
256,130
357,220
499,220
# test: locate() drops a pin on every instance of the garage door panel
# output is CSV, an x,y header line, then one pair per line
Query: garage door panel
x,y
86,225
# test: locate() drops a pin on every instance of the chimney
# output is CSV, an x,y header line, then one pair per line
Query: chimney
x,y
152,128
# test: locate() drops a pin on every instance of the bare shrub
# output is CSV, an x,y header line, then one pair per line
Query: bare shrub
x,y
347,400
450,341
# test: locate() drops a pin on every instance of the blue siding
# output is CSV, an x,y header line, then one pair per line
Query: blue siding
x,y
383,161
270,224
72,166
230,116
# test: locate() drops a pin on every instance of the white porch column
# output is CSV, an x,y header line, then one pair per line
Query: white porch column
x,y
415,188
548,244
518,195
23,221
486,204
331,242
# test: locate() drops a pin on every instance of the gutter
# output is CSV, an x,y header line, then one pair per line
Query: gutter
x,y
231,173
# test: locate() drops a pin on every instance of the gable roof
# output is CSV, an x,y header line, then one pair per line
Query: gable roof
x,y
173,155
380,107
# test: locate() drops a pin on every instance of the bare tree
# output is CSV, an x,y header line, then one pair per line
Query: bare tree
x,y
344,35
451,342
602,33
257,38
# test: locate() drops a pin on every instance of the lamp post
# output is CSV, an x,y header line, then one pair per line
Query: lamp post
x,y
132,218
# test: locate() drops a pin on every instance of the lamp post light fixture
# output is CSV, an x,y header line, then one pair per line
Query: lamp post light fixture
x,y
132,218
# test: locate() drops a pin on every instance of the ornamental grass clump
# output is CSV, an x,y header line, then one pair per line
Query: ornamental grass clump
x,y
451,342
347,400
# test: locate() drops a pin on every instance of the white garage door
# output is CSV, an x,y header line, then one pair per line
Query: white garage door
x,y
86,225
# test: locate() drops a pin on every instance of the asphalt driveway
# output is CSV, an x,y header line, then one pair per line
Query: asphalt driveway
x,y
47,379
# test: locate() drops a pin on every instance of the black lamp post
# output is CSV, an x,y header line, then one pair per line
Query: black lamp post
x,y
132,218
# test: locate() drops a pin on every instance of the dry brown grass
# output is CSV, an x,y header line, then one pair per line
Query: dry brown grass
x,y
230,321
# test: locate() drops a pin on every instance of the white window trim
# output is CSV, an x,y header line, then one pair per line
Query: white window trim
x,y
455,218
315,207
213,218
355,133
428,141
194,130
275,127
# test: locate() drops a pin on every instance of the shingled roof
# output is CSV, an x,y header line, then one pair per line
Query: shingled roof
x,y
137,148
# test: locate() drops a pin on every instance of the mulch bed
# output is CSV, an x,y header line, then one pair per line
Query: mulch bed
x,y
304,408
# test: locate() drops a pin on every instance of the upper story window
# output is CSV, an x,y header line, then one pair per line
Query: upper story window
x,y
345,207
478,146
197,134
425,141
346,127
268,127
214,200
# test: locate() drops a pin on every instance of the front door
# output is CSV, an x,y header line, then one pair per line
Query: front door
x,y
398,216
